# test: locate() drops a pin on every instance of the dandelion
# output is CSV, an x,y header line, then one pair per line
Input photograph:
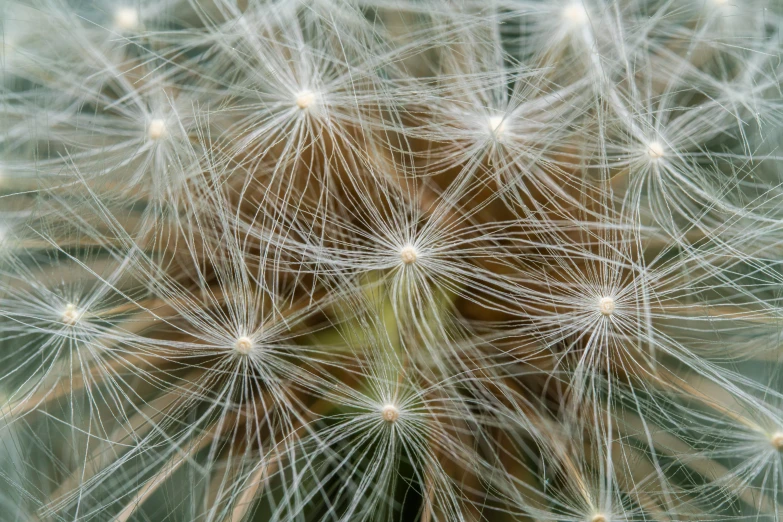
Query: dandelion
x,y
321,260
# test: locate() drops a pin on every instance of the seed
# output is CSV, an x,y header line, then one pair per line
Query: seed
x,y
655,150
777,441
243,345
70,314
409,254
126,19
575,14
390,413
606,305
305,99
497,125
156,129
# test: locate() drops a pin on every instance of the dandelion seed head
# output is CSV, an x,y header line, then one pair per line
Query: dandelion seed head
x,y
156,129
606,305
305,99
777,440
258,235
575,14
126,19
71,314
243,345
655,150
409,254
390,413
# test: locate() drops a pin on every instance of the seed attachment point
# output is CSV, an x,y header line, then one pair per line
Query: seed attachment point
x,y
575,14
243,345
777,440
599,517
305,99
126,19
497,124
655,150
71,314
606,305
409,254
390,413
156,129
